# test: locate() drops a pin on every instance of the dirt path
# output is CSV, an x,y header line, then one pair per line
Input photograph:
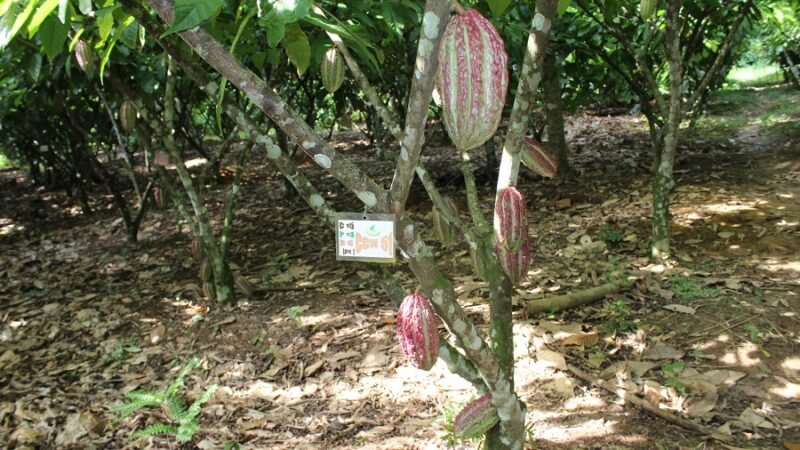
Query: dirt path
x,y
310,360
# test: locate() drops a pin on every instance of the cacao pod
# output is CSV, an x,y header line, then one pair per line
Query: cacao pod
x,y
472,79
158,197
197,249
85,56
205,269
418,331
243,285
538,159
208,290
478,417
127,115
446,233
647,8
332,70
511,233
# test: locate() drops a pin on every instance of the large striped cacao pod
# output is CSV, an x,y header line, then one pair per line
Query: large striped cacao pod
x,y
243,285
332,70
208,290
511,233
472,79
158,197
85,56
478,417
418,331
127,115
205,269
538,159
197,249
445,232
647,8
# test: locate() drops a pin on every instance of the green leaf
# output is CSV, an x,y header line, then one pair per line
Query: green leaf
x,y
85,7
5,5
190,13
110,46
129,35
47,7
297,47
289,11
275,33
53,34
562,7
498,7
105,22
62,10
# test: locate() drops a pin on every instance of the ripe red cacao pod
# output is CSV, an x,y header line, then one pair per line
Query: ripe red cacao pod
x,y
127,115
418,331
478,417
332,70
472,79
538,159
445,232
511,233
85,56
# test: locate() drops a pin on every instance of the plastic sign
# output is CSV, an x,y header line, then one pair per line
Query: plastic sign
x,y
365,237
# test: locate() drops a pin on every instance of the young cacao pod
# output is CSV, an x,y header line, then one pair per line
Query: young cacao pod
x,y
205,269
538,159
478,417
418,331
332,70
243,285
472,79
446,233
647,8
511,233
85,56
208,290
197,249
127,115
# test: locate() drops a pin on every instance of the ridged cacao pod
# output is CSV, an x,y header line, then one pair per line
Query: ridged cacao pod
x,y
158,198
205,269
511,233
127,115
538,159
197,249
418,331
446,233
478,417
85,56
243,285
208,290
472,79
647,8
332,70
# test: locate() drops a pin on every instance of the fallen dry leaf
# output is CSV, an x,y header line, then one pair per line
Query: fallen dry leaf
x,y
552,359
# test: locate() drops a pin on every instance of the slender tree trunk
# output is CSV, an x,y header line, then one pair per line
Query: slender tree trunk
x,y
792,68
664,181
551,94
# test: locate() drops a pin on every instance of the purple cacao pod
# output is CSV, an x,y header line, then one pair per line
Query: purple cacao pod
x,y
511,233
478,417
472,79
85,56
418,331
332,70
538,159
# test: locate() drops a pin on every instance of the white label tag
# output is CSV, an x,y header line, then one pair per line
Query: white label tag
x,y
365,237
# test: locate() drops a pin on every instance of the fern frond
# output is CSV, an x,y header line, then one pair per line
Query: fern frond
x,y
194,409
178,383
152,430
176,408
186,431
153,398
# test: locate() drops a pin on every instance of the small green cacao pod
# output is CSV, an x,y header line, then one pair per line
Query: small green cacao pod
x,y
205,269
208,290
511,233
243,285
647,8
478,417
332,70
445,232
418,331
127,115
538,159
472,79
85,56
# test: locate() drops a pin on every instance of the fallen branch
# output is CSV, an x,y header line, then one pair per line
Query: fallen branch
x,y
577,298
647,406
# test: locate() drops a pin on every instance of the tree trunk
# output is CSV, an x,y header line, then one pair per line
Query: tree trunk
x,y
664,182
551,94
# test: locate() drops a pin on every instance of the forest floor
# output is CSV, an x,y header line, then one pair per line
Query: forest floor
x,y
309,361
